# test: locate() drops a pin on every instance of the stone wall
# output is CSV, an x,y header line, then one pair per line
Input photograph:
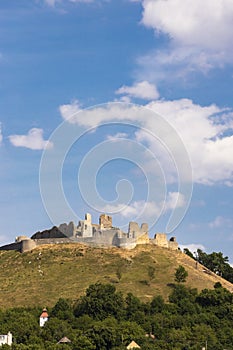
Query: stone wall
x,y
21,246
52,233
127,243
92,234
143,239
27,245
172,243
109,237
68,230
160,239
12,246
53,241
134,231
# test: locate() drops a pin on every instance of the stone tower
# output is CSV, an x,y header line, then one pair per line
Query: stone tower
x,y
86,226
105,221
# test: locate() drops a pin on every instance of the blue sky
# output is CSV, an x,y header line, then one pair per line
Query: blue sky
x,y
156,77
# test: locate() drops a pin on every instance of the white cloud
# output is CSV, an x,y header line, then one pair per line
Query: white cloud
x,y
54,2
176,62
205,131
143,90
100,114
201,129
117,136
33,140
174,200
220,221
70,111
192,23
125,99
199,37
149,209
192,247
138,211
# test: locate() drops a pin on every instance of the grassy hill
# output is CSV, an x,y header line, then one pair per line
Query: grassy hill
x,y
49,272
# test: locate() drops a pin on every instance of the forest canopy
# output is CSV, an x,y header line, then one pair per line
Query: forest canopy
x,y
105,319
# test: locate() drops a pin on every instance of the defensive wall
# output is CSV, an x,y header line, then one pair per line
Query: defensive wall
x,y
102,235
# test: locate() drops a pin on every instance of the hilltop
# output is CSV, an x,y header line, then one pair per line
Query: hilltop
x,y
42,276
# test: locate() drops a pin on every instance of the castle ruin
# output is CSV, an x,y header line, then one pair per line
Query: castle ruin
x,y
102,235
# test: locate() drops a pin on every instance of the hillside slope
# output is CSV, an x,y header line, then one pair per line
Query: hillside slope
x,y
47,273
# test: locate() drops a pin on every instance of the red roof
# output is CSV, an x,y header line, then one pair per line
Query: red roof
x,y
44,314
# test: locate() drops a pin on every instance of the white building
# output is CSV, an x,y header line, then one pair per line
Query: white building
x,y
44,317
6,339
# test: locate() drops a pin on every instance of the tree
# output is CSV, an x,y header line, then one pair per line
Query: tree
x,y
83,343
216,297
133,305
181,292
217,263
21,323
156,305
104,334
187,252
100,301
62,310
228,273
181,274
217,285
55,329
130,330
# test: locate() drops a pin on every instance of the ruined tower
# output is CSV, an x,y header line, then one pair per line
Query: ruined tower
x,y
105,221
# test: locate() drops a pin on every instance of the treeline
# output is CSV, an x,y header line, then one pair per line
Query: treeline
x,y
215,262
104,319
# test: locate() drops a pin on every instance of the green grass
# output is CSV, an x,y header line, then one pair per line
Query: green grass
x,y
47,273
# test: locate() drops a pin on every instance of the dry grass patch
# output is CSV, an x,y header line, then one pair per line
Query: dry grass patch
x,y
50,272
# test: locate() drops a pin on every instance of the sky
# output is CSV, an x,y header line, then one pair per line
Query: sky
x,y
123,107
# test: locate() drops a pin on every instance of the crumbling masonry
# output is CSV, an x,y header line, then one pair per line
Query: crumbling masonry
x,y
102,234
